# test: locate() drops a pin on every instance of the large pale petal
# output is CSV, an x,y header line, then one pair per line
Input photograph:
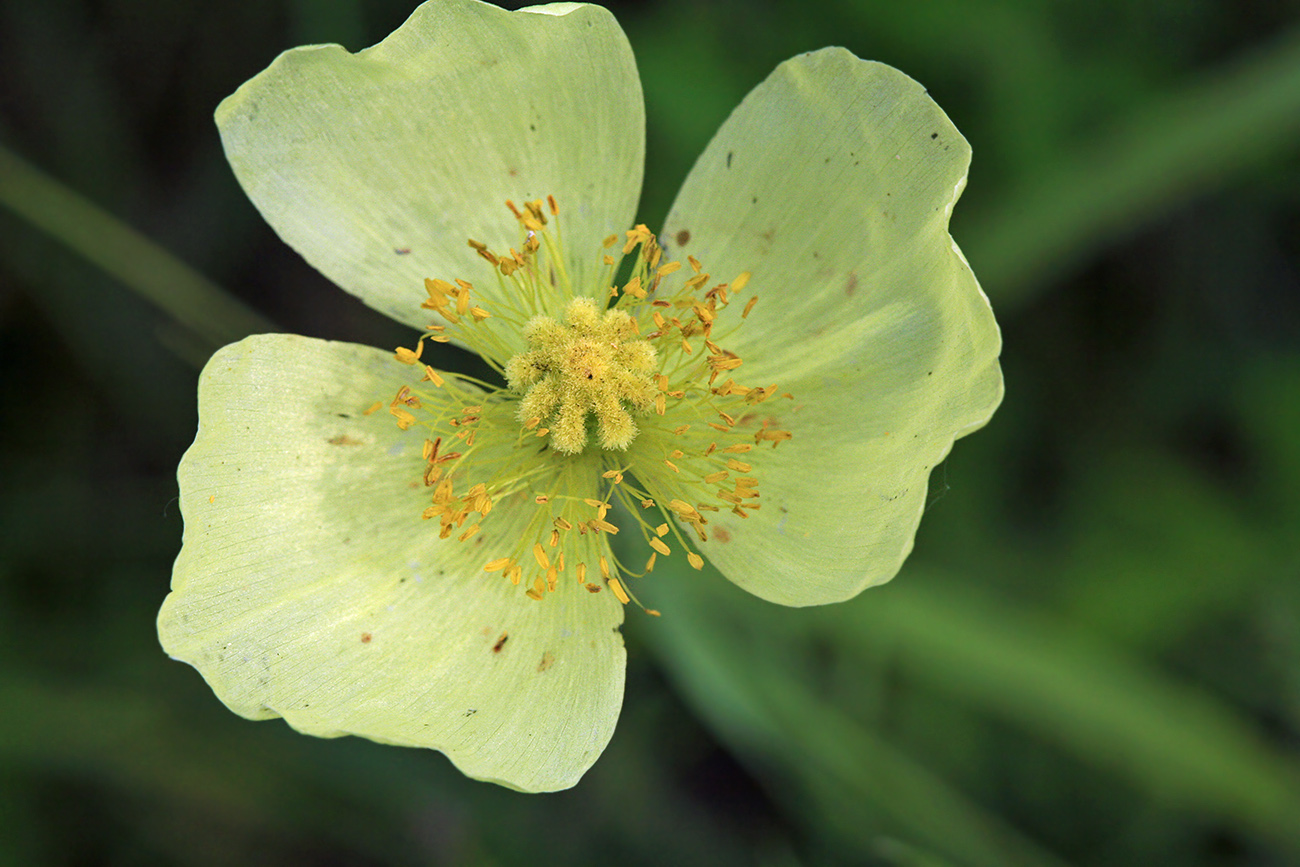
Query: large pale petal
x,y
833,183
377,166
308,586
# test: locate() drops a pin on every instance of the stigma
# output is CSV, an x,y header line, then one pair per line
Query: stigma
x,y
619,413
591,365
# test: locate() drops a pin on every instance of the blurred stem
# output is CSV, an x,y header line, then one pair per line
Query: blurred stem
x,y
194,301
1197,139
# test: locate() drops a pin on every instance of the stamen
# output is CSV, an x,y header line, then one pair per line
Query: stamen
x,y
609,405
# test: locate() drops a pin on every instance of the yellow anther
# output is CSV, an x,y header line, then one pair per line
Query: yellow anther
x,y
659,546
695,560
616,587
404,418
408,356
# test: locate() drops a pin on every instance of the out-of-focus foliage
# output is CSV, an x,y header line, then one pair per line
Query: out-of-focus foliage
x,y
1093,657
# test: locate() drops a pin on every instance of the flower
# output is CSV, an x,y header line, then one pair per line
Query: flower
x,y
376,547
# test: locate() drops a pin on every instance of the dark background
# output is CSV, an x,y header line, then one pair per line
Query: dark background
x,y
1092,658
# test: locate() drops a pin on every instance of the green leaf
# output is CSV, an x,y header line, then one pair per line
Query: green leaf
x,y
1065,687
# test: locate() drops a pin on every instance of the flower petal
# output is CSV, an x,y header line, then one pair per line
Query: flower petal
x,y
378,166
309,588
832,183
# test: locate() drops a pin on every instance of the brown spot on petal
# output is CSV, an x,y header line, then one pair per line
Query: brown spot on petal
x,y
683,237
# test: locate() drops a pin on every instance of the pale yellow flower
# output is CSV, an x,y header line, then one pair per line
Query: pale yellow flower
x,y
379,548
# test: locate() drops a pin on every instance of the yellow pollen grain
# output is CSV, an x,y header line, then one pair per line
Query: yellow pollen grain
x,y
432,376
670,465
541,499
665,270
739,466
659,546
650,564
738,448
581,568
540,555
661,530
714,478
695,560
616,587
695,263
601,524
496,565
555,538
514,573
474,528
562,524
604,567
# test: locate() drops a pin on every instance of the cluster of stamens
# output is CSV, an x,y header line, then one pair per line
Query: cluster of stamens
x,y
643,372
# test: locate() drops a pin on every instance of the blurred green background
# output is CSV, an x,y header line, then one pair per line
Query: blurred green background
x,y
1092,658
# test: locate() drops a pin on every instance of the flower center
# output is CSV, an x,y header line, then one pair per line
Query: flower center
x,y
636,368
592,365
